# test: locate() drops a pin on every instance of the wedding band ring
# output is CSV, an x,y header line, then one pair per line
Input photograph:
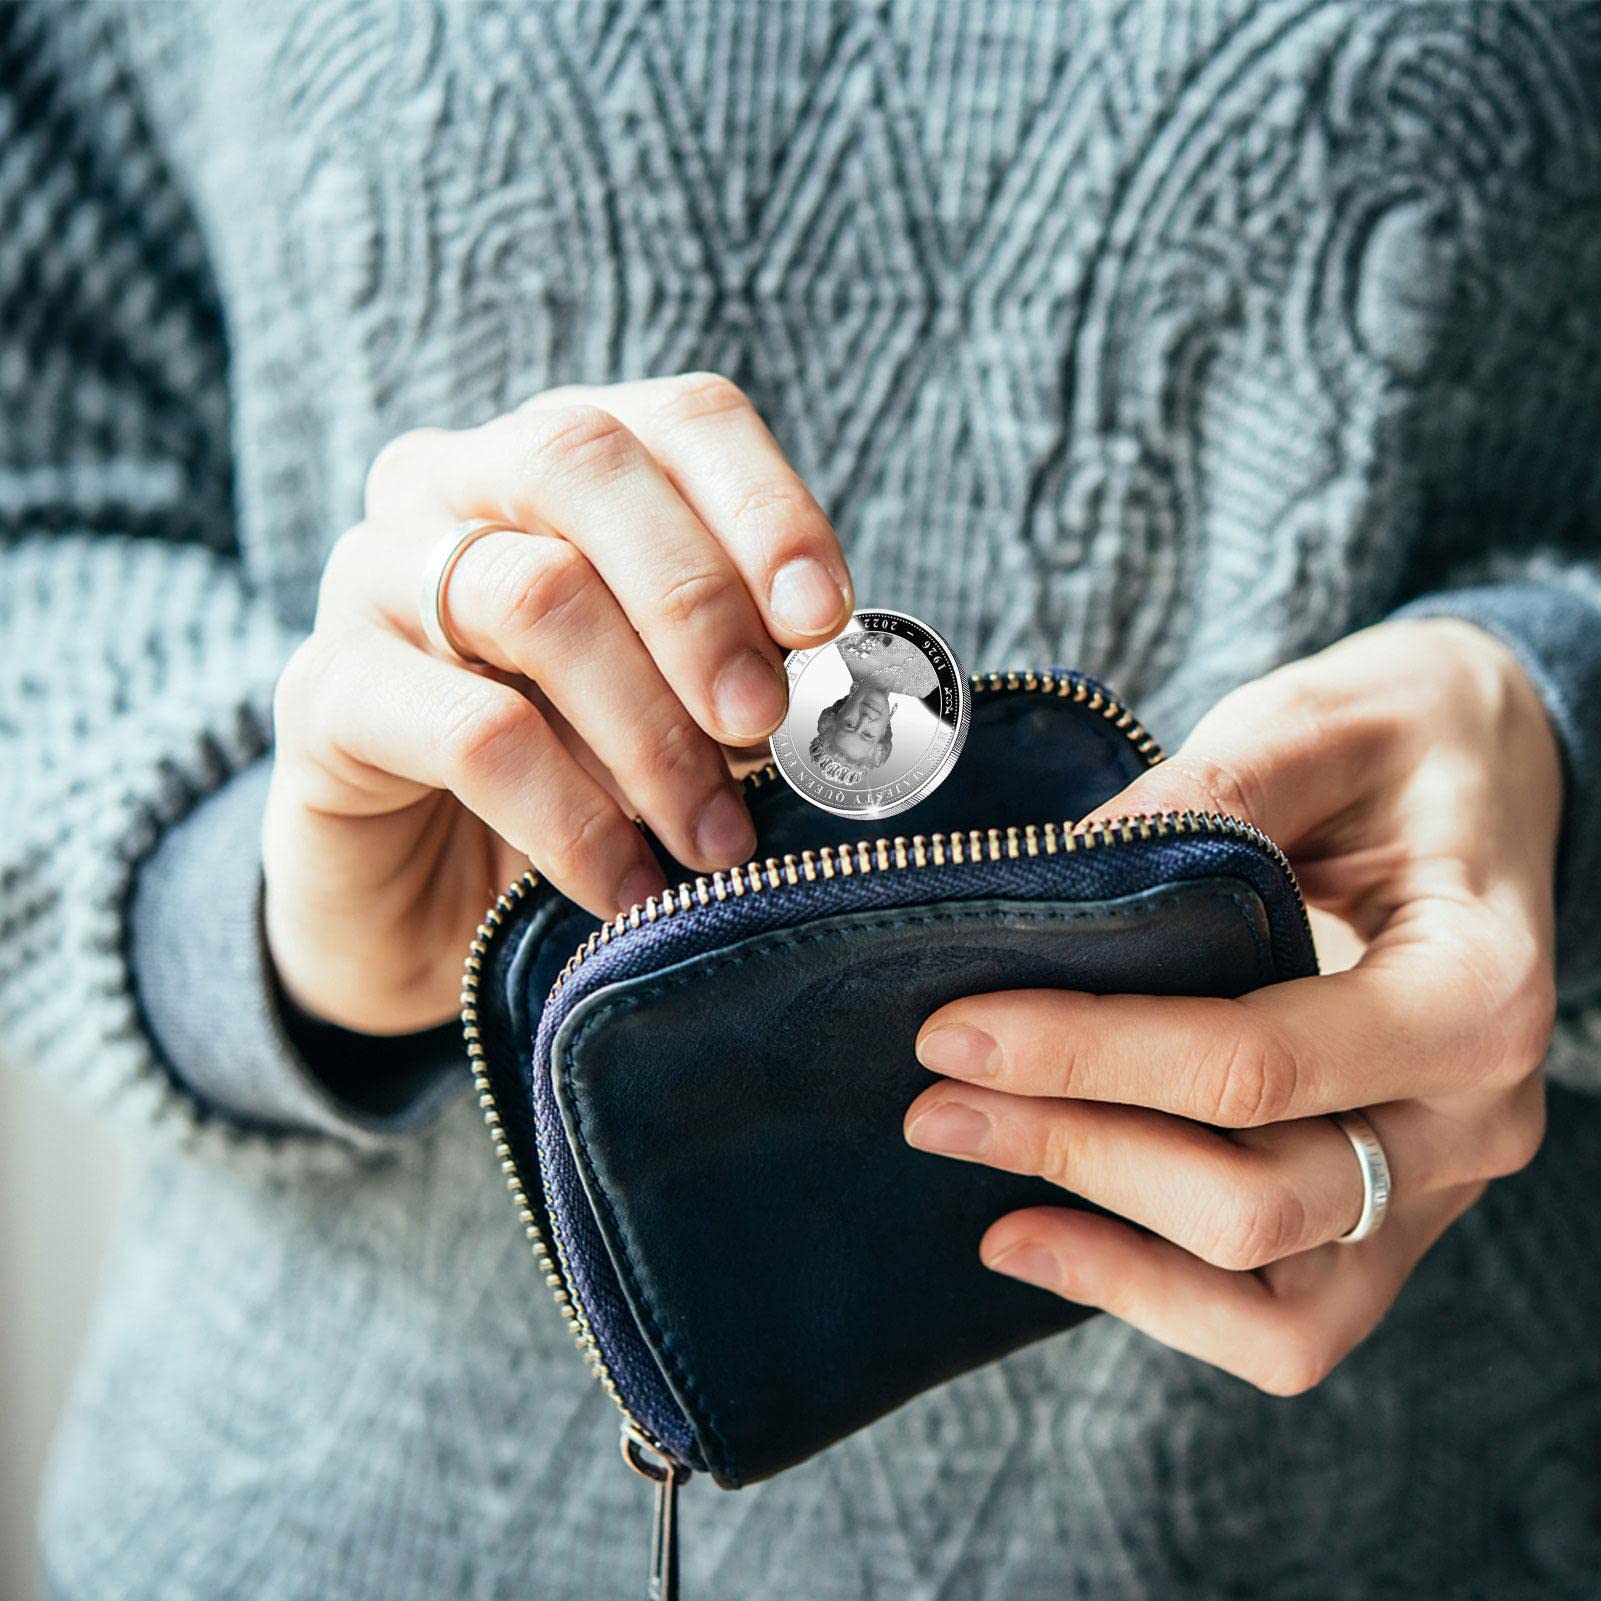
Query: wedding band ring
x,y
1375,1175
437,569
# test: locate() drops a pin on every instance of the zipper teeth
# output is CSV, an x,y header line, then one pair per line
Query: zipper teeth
x,y
919,850
826,862
555,1276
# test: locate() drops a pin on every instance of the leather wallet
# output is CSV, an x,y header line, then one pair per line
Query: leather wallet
x,y
698,1105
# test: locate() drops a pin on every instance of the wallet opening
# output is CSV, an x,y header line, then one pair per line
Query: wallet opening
x,y
1031,759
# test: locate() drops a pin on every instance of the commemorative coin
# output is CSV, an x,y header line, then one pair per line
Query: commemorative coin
x,y
877,717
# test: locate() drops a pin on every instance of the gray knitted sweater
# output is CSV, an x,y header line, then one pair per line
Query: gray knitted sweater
x,y
1166,340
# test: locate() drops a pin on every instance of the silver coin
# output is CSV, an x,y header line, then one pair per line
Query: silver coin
x,y
877,717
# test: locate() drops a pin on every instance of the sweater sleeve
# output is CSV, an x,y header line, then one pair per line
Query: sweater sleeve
x,y
1509,528
137,659
212,998
1502,435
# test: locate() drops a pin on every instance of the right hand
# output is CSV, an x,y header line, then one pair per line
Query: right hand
x,y
632,638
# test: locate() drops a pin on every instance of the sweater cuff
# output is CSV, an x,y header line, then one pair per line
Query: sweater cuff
x,y
214,1005
1556,636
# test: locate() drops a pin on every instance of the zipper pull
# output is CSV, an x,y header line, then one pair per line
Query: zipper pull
x,y
666,1475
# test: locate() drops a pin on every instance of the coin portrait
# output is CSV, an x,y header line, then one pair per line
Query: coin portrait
x,y
877,717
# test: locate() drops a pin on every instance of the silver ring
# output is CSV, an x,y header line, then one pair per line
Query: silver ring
x,y
436,574
1375,1175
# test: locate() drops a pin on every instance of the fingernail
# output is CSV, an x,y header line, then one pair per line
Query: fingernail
x,y
1030,1262
960,1049
749,696
725,833
804,597
951,1130
641,884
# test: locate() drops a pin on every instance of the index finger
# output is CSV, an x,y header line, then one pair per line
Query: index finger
x,y
578,471
1415,1017
724,461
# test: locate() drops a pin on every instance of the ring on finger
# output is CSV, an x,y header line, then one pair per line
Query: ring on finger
x,y
1375,1175
442,559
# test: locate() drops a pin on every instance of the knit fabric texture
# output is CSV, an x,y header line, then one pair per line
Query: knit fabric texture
x,y
1170,340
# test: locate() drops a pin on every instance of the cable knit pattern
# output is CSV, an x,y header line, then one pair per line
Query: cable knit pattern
x,y
1168,339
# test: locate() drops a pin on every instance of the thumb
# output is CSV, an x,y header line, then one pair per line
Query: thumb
x,y
1257,755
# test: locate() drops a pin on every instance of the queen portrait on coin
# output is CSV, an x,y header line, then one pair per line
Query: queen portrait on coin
x,y
854,734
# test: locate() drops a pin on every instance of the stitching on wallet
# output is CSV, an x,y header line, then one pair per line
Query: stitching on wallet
x,y
631,1001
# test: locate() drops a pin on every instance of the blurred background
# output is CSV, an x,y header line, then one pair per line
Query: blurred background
x,y
61,1184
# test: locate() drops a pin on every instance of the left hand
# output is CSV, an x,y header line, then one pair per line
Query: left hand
x,y
1413,778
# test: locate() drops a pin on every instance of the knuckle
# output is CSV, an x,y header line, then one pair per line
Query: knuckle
x,y
477,732
1512,1006
579,440
1296,1363
1058,1153
1299,703
1513,1142
297,679
698,396
348,567
692,596
679,757
1070,1056
537,585
1216,785
1255,1083
1531,1020
577,836
1258,1225
398,469
556,395
780,507
319,695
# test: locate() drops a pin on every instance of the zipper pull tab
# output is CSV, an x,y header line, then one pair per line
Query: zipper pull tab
x,y
666,1475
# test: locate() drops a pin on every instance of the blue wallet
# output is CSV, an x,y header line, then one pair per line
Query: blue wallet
x,y
698,1105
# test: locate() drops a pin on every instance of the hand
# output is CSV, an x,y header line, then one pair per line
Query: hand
x,y
1412,776
631,636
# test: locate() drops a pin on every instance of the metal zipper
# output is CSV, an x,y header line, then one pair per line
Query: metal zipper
x,y
900,853
662,1584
